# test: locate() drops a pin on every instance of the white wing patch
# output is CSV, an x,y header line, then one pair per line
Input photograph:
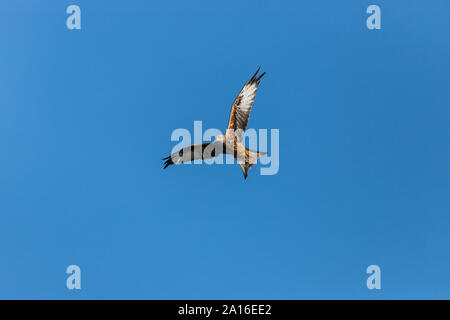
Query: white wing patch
x,y
248,95
240,111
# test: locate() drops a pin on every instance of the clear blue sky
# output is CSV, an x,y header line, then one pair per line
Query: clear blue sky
x,y
86,115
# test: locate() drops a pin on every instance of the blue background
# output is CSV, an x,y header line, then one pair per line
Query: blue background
x,y
86,115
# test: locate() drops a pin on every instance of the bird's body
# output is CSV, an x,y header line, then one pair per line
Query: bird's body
x,y
231,141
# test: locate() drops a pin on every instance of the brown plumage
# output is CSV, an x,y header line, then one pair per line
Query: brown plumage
x,y
231,141
240,110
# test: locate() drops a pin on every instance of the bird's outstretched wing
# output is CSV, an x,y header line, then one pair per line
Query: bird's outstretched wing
x,y
240,110
195,152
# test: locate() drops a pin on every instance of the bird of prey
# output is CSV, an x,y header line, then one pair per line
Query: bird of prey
x,y
231,141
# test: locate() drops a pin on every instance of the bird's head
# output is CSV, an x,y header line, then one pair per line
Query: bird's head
x,y
220,138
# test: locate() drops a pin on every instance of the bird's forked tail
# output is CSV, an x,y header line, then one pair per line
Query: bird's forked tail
x,y
251,156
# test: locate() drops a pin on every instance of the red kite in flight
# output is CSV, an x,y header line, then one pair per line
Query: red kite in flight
x,y
231,141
